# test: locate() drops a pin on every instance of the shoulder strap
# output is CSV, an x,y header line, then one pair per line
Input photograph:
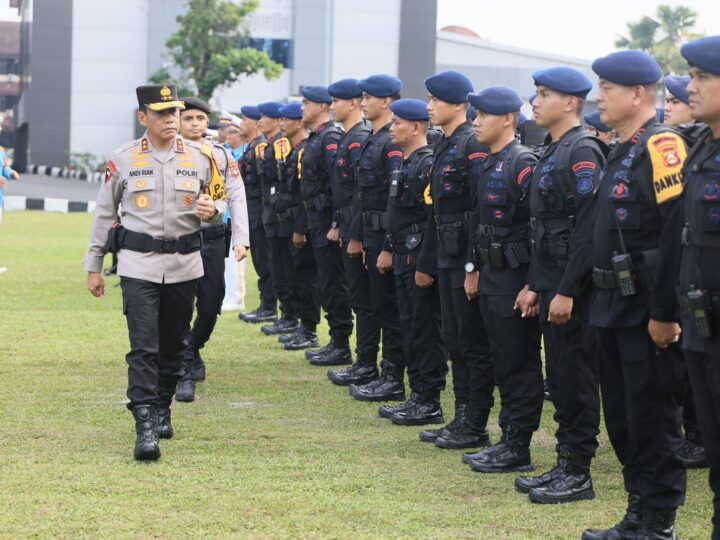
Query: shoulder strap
x,y
461,153
420,161
517,152
563,169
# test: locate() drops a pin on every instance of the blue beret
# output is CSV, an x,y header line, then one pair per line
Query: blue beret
x,y
497,100
703,53
522,119
410,109
471,113
532,98
345,89
628,68
381,85
660,114
250,111
449,86
316,94
291,110
593,120
677,86
270,108
565,80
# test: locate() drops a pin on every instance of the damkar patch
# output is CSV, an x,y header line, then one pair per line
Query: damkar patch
x,y
667,153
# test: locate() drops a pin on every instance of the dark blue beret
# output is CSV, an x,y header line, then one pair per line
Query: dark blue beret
x,y
316,94
449,86
532,98
660,114
410,109
565,80
677,86
522,119
250,111
471,113
628,68
381,85
196,103
345,89
271,109
593,120
496,100
703,53
291,110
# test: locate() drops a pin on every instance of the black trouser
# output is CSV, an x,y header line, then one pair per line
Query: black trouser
x,y
260,254
367,328
572,373
515,343
210,293
420,321
305,287
332,286
466,341
282,278
691,424
158,316
704,373
641,388
385,311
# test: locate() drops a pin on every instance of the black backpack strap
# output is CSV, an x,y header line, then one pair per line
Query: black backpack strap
x,y
517,152
563,155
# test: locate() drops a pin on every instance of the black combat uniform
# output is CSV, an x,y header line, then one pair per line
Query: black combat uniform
x,y
562,193
419,308
500,246
251,167
457,161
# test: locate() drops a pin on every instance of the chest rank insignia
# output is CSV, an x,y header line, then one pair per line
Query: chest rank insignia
x,y
187,200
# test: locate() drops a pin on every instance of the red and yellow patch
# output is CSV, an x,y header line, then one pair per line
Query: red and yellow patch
x,y
187,200
110,170
260,150
233,166
142,201
667,154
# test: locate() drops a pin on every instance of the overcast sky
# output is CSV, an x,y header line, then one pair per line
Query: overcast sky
x,y
583,29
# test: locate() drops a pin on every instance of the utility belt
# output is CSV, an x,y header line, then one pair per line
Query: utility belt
x,y
501,253
318,203
696,305
451,232
253,191
703,240
553,247
215,232
344,214
407,239
121,238
625,274
289,215
375,220
269,193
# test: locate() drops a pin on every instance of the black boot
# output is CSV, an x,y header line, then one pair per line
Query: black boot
x,y
470,433
431,435
147,444
304,339
425,410
357,374
388,387
627,528
513,455
386,411
319,352
262,314
482,454
164,423
336,354
692,455
657,524
185,391
285,325
573,484
198,367
525,483
287,338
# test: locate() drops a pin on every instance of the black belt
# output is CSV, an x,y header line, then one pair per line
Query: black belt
x,y
494,230
705,240
452,218
375,219
604,279
289,214
318,203
567,222
121,238
399,239
344,214
498,254
214,232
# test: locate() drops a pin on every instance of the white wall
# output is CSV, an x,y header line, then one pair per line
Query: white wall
x,y
109,59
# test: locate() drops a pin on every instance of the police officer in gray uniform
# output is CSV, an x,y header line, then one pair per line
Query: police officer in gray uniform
x,y
166,188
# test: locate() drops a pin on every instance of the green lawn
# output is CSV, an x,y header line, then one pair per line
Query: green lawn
x,y
270,449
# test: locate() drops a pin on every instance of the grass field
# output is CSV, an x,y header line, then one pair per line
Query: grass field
x,y
270,449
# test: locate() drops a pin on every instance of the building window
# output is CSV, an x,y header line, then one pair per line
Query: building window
x,y
277,49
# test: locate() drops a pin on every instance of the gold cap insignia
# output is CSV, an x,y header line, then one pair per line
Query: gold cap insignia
x,y
165,94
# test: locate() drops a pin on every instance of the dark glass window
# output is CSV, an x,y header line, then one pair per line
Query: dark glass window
x,y
278,50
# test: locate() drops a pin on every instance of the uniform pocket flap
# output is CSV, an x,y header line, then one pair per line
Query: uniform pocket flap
x,y
186,184
140,184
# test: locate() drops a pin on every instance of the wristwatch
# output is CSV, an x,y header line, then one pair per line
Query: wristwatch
x,y
469,268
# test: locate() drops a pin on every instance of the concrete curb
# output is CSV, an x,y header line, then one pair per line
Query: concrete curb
x,y
64,172
48,204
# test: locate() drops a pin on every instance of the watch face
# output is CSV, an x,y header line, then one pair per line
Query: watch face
x,y
469,267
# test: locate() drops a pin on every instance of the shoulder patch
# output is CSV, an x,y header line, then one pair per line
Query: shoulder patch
x,y
395,153
354,145
110,170
523,175
260,150
233,167
667,152
282,148
427,196
331,147
477,155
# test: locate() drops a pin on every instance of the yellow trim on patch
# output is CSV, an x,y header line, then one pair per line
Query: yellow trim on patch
x,y
428,197
216,187
667,153
163,106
